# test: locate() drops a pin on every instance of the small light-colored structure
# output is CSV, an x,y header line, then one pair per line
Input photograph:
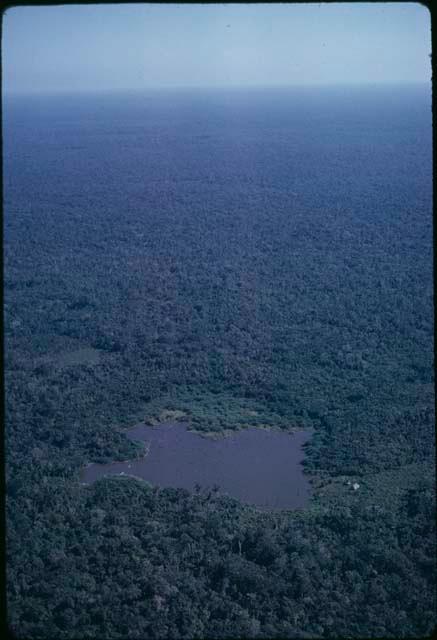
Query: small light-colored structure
x,y
355,486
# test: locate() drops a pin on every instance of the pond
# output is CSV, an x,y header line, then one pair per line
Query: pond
x,y
258,466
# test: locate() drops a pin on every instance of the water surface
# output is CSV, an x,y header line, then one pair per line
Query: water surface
x,y
257,466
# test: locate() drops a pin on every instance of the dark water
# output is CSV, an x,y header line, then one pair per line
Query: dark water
x,y
259,467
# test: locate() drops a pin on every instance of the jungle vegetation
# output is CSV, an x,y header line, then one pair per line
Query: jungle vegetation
x,y
242,265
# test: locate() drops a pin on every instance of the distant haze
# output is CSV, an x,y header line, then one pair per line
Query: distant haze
x,y
112,47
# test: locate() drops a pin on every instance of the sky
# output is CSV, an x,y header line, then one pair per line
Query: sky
x,y
60,48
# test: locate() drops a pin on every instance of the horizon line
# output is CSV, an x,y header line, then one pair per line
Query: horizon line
x,y
218,87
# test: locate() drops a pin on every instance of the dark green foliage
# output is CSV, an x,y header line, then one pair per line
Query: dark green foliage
x,y
120,555
261,275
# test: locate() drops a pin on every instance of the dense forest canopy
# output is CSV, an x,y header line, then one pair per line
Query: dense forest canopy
x,y
244,258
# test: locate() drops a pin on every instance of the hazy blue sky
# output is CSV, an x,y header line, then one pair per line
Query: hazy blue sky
x,y
128,46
